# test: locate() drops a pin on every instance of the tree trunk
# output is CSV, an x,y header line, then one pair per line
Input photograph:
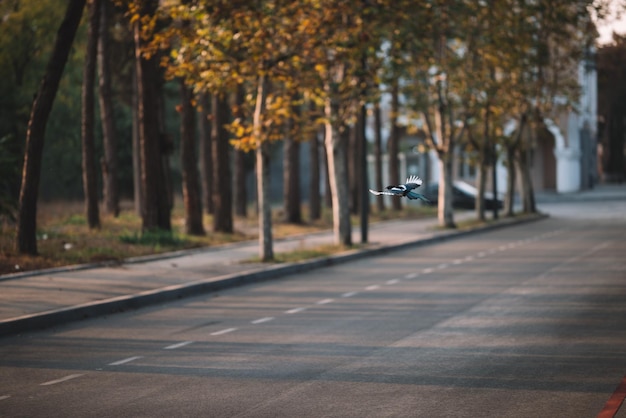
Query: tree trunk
x,y
266,251
90,180
364,196
266,247
137,193
523,163
241,190
481,183
393,144
166,143
509,200
337,172
484,159
445,212
206,174
189,166
511,150
156,208
110,187
315,198
328,196
352,141
378,155
291,179
222,181
26,235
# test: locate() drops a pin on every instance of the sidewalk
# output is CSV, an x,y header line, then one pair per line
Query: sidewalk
x,y
54,296
51,297
605,192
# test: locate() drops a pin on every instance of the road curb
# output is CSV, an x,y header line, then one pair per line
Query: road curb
x,y
123,303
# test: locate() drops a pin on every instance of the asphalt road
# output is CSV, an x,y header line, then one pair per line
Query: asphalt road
x,y
525,321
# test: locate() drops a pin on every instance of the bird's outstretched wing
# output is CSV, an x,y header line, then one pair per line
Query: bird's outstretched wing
x,y
384,192
413,182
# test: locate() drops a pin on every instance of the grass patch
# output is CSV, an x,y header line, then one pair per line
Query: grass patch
x,y
154,238
65,239
302,254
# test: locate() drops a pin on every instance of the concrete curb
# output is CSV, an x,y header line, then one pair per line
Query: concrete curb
x,y
55,317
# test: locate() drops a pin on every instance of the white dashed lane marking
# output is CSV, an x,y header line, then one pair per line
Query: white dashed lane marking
x,y
392,282
427,271
411,275
262,320
178,345
324,301
124,361
3,397
224,331
295,310
372,287
61,380
349,294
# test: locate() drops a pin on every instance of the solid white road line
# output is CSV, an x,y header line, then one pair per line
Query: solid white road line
x,y
124,361
178,345
63,379
224,331
295,310
262,320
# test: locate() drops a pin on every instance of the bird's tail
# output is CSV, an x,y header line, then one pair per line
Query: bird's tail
x,y
413,196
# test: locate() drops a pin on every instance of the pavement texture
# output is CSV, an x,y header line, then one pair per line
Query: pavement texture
x,y
45,298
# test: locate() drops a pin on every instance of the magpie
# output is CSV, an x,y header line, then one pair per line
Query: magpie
x,y
406,189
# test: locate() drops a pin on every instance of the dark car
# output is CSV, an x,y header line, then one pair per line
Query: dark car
x,y
463,196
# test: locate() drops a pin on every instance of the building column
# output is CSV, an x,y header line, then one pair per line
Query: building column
x,y
567,170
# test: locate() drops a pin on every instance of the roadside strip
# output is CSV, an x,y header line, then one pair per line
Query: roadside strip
x,y
109,306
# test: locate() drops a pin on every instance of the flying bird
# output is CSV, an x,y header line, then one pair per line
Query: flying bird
x,y
406,189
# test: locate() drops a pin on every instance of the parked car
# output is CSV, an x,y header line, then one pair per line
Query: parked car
x,y
463,196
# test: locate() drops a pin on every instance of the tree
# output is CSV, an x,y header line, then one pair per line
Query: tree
x,y
110,187
393,143
441,110
26,38
555,35
156,204
346,67
240,160
255,45
612,88
291,173
315,195
315,198
222,197
191,181
26,238
378,160
87,125
204,129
